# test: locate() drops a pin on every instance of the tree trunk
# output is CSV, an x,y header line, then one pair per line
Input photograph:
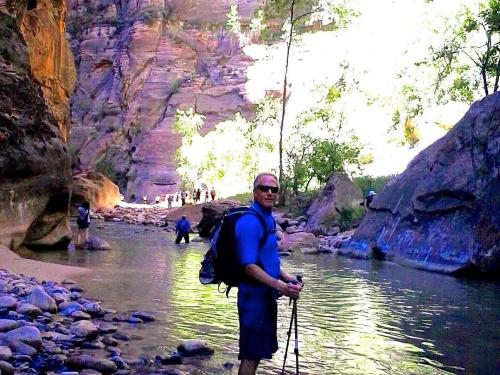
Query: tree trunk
x,y
283,111
485,80
497,77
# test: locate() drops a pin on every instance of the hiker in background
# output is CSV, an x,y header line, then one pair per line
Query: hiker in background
x,y
157,199
198,195
170,199
182,228
257,294
83,222
145,199
212,193
206,196
183,198
369,199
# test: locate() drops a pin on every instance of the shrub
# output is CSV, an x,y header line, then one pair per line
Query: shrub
x,y
350,217
298,204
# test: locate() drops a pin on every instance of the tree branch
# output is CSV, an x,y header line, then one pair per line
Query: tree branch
x,y
306,14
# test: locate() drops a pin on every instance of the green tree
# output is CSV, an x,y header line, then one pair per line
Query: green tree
x,y
468,59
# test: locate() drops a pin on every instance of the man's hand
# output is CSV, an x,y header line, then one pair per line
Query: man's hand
x,y
290,289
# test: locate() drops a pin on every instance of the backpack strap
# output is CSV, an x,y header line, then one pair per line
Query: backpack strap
x,y
263,222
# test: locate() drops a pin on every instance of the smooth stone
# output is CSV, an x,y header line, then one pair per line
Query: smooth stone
x,y
114,350
194,347
6,368
29,310
57,336
51,348
80,315
7,325
121,317
5,353
42,300
75,295
173,359
22,358
110,341
120,363
309,250
68,281
93,345
134,319
85,361
85,329
144,316
107,328
75,288
20,347
93,309
68,308
121,336
90,372
8,302
28,335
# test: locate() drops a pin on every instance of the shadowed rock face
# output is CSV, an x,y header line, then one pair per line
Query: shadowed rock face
x,y
442,213
138,62
35,173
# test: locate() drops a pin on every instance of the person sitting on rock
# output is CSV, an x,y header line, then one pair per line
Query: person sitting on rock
x,y
182,228
368,199
83,222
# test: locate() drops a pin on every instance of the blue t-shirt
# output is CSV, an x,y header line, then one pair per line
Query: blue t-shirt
x,y
249,233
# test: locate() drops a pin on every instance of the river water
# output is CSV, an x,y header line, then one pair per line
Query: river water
x,y
355,317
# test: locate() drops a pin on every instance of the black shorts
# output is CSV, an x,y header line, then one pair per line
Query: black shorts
x,y
82,224
258,314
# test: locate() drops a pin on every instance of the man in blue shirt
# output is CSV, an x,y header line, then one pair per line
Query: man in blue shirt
x,y
182,228
257,307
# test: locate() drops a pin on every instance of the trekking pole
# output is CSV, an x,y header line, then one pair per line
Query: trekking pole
x,y
293,319
289,333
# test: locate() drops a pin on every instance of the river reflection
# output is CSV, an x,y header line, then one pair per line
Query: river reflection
x,y
355,317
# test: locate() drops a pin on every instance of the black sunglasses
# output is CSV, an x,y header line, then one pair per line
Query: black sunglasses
x,y
265,188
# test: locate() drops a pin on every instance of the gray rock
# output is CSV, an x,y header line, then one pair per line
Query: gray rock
x,y
7,325
107,328
95,243
85,361
80,315
120,363
20,347
42,300
8,302
93,309
194,347
68,281
144,316
28,335
29,310
5,353
68,308
85,329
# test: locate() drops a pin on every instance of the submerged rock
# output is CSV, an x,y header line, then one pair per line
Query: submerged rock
x,y
95,243
194,347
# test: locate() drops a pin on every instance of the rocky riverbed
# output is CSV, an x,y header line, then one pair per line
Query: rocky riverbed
x,y
47,327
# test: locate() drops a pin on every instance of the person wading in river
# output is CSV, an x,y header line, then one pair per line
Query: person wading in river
x,y
264,281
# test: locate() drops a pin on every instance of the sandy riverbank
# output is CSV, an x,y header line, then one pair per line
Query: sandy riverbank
x,y
41,270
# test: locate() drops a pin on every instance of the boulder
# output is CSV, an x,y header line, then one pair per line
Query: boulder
x,y
29,310
441,213
42,300
297,241
339,194
97,189
7,325
212,214
8,302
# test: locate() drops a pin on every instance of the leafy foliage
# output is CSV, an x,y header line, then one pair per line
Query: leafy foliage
x,y
367,183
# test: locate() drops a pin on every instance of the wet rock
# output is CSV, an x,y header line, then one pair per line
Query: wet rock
x,y
80,315
121,336
85,361
93,345
84,329
134,319
8,302
110,341
95,243
93,309
194,347
144,316
173,359
5,353
29,310
68,308
7,325
42,300
90,372
120,363
114,351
